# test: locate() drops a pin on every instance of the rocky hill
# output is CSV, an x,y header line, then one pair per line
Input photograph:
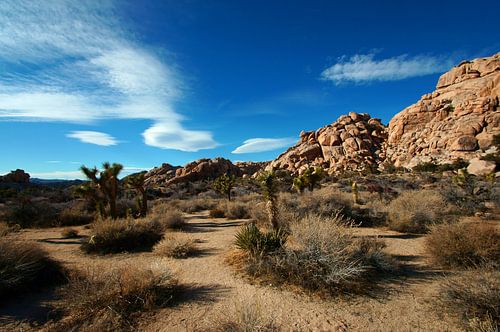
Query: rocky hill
x,y
353,142
458,120
202,169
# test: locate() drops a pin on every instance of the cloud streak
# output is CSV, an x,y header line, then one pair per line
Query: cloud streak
x,y
361,68
93,137
255,145
74,61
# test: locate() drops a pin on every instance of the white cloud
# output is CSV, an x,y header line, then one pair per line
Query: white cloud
x,y
93,137
365,68
73,61
263,144
167,135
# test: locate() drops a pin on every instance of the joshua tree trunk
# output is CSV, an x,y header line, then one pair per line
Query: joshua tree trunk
x,y
272,213
144,202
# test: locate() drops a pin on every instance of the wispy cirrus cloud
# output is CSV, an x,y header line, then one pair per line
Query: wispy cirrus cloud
x,y
93,137
74,61
254,145
361,68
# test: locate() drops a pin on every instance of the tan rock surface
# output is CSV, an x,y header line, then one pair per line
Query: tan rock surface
x,y
458,120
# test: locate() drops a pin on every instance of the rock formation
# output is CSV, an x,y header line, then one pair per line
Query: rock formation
x,y
17,176
160,175
353,143
202,169
458,120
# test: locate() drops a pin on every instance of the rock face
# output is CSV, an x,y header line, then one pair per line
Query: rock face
x,y
353,142
17,176
160,175
458,120
202,169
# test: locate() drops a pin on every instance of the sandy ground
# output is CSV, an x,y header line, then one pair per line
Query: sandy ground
x,y
216,293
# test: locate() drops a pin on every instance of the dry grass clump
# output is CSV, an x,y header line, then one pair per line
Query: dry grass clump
x,y
69,233
175,246
26,266
168,217
322,255
112,300
246,316
415,211
464,245
235,209
475,297
123,235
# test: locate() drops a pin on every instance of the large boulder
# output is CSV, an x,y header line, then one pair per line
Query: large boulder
x,y
458,120
481,167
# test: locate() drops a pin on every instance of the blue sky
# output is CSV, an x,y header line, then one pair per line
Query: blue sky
x,y
147,82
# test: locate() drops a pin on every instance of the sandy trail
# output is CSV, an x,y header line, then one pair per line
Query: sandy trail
x,y
215,293
401,307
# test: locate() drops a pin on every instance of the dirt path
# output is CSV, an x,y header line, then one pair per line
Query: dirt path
x,y
400,308
215,293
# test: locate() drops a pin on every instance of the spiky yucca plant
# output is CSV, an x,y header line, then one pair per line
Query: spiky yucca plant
x,y
257,243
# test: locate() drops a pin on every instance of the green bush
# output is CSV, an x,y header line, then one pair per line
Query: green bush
x,y
252,240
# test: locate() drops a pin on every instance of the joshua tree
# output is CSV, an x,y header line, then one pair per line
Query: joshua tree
x,y
105,185
269,191
136,182
224,184
311,177
299,184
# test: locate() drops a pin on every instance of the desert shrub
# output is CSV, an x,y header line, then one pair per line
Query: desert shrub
x,y
433,167
216,213
324,256
121,235
110,300
74,215
416,211
474,296
244,317
176,246
26,266
325,201
235,210
464,245
250,239
168,217
196,204
69,233
258,212
39,214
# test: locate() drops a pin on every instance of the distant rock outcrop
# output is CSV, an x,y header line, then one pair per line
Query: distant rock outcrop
x,y
353,142
458,120
202,169
17,176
